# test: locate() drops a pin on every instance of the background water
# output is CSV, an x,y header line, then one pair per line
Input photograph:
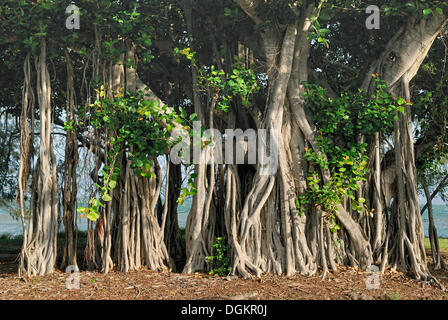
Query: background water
x,y
14,227
9,225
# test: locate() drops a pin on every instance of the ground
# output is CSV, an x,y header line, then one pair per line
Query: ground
x,y
345,284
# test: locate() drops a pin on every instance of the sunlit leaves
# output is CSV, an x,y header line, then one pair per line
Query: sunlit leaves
x,y
138,123
340,121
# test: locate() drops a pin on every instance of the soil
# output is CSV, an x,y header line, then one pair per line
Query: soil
x,y
345,284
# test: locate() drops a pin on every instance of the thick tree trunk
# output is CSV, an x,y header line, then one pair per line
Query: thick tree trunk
x,y
39,252
26,149
268,235
199,229
128,234
397,65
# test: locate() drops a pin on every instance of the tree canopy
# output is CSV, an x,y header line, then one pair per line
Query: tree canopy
x,y
358,117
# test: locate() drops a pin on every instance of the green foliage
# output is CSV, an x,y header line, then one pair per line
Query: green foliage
x,y
340,122
242,83
189,190
220,262
419,8
70,125
353,113
135,124
431,113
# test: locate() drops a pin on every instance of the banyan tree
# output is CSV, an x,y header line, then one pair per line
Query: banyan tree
x,y
151,96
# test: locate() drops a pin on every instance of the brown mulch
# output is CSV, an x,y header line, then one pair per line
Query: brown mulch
x,y
345,284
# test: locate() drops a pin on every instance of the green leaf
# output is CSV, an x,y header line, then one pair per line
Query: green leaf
x,y
106,197
138,163
92,215
427,11
361,200
401,101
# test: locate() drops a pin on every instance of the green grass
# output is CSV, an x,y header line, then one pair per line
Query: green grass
x,y
394,296
443,243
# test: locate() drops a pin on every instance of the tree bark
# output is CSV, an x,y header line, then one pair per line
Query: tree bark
x,y
397,65
39,252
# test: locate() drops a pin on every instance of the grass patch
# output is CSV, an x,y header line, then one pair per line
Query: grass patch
x,y
443,243
394,296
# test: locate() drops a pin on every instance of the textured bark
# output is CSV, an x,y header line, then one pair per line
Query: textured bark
x,y
26,142
140,237
267,234
295,90
39,251
199,229
397,65
127,235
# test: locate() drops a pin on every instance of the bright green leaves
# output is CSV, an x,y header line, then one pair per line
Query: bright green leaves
x,y
341,121
332,225
319,34
220,261
138,124
91,212
186,52
438,10
427,11
112,184
143,167
401,101
232,14
106,197
354,113
135,126
347,168
70,125
401,104
188,191
242,83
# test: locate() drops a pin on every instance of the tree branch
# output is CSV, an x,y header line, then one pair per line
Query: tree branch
x,y
249,7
